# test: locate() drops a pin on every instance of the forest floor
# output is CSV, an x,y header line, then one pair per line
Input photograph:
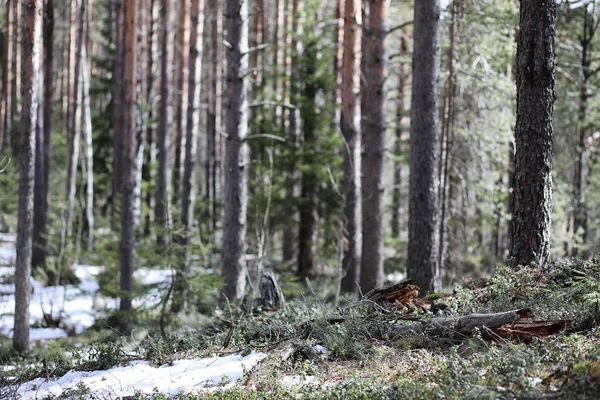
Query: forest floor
x,y
310,349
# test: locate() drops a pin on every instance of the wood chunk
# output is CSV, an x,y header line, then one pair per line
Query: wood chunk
x,y
395,296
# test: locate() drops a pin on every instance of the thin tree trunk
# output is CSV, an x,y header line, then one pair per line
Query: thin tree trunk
x,y
39,190
129,94
89,150
18,66
290,233
423,224
141,113
446,137
161,211
151,98
75,134
180,98
532,207
235,191
5,101
373,138
399,145
350,126
188,193
117,113
213,111
43,144
31,76
308,112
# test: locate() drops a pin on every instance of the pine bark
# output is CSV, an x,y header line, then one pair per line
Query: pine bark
x,y
399,140
188,189
423,219
18,62
235,190
5,101
89,150
373,142
350,126
117,112
129,96
161,211
532,206
180,99
44,143
31,74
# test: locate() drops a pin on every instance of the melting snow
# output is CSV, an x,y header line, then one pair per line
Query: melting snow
x,y
140,376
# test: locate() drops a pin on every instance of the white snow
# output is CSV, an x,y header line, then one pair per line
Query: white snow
x,y
139,376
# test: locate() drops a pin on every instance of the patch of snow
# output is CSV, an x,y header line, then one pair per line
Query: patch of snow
x,y
46,333
396,277
140,376
8,255
8,237
149,276
320,349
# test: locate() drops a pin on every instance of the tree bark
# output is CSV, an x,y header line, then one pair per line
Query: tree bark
x,y
350,126
188,192
117,112
235,191
307,207
399,145
129,94
75,133
44,144
39,189
373,138
18,62
5,102
532,206
31,71
180,98
89,150
423,220
161,211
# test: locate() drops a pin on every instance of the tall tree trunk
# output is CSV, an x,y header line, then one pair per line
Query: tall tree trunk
x,y
129,94
31,75
213,111
423,219
188,193
75,134
89,150
446,136
117,113
532,207
350,126
43,147
373,137
290,233
161,211
5,101
235,191
152,46
180,98
18,62
307,207
590,25
398,144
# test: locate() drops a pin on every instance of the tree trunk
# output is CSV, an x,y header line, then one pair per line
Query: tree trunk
x,y
307,207
39,189
423,219
18,64
75,133
129,94
180,98
161,211
235,191
398,145
532,207
587,54
350,126
151,114
373,137
213,111
89,150
188,191
5,101
117,112
31,75
44,142
290,233
446,136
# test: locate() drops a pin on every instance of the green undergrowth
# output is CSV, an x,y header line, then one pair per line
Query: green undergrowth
x,y
365,358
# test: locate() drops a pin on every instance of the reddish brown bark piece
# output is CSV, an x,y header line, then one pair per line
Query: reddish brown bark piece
x,y
398,295
527,330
